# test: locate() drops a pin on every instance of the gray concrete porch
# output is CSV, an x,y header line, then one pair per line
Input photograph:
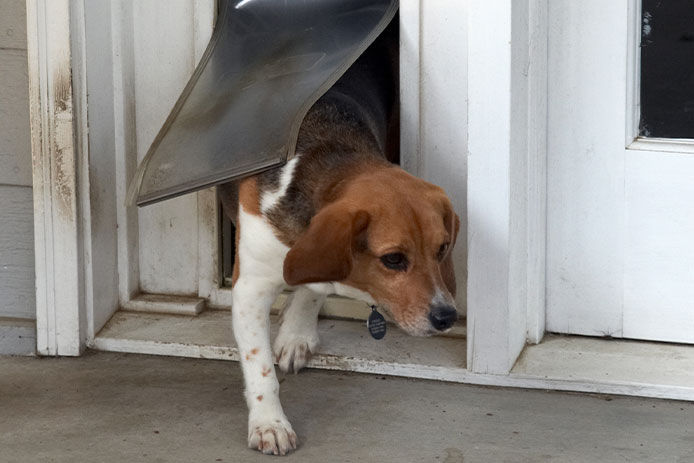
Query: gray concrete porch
x,y
130,408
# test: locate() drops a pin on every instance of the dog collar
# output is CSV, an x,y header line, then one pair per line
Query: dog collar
x,y
376,324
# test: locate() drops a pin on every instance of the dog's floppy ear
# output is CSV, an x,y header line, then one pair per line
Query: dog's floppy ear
x,y
324,251
452,222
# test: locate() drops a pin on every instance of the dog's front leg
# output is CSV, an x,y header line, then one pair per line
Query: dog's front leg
x,y
298,339
268,428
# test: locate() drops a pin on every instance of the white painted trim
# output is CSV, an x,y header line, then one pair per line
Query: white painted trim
x,y
410,85
125,136
209,249
506,192
204,15
537,171
81,145
210,276
161,303
439,373
665,145
633,140
125,147
55,29
633,71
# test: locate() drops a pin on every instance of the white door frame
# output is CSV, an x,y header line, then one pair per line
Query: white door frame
x,y
506,86
507,116
57,112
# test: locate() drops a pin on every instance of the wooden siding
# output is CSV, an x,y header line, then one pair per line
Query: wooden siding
x,y
17,293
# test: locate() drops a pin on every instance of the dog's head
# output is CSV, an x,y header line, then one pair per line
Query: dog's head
x,y
391,235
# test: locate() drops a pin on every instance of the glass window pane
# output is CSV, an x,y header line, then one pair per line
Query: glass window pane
x,y
667,69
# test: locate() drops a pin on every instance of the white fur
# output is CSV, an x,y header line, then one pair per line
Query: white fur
x,y
298,339
341,290
271,198
442,296
261,256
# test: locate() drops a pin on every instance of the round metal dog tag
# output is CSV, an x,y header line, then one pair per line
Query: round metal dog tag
x,y
376,324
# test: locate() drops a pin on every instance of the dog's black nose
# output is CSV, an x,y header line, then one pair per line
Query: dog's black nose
x,y
442,316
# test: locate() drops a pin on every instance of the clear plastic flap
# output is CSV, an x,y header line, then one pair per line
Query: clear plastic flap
x,y
266,64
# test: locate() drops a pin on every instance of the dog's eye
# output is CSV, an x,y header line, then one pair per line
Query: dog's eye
x,y
395,261
442,251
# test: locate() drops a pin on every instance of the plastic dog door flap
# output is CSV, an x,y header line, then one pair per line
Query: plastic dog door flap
x,y
267,63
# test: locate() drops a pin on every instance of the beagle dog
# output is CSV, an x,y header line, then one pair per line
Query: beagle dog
x,y
338,218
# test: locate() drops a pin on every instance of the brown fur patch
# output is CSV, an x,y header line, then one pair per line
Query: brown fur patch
x,y
255,350
249,196
266,371
260,397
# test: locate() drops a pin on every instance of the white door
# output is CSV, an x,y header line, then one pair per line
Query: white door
x,y
620,243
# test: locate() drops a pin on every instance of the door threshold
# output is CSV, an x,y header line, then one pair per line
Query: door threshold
x,y
615,366
345,344
562,363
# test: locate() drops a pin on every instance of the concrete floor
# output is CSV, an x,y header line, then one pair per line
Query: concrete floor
x,y
130,408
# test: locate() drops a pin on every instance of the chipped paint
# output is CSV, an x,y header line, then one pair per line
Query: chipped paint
x,y
60,300
63,149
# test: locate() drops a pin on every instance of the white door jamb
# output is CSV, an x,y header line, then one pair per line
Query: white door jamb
x,y
506,180
55,39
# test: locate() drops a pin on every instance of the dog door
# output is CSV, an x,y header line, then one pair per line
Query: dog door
x,y
266,64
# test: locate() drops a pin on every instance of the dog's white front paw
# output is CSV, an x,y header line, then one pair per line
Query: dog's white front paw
x,y
273,437
294,351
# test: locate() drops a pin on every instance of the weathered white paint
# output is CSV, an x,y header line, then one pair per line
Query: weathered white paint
x,y
340,340
537,171
612,367
164,53
620,220
210,280
125,147
110,230
56,148
98,193
172,249
505,168
160,303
